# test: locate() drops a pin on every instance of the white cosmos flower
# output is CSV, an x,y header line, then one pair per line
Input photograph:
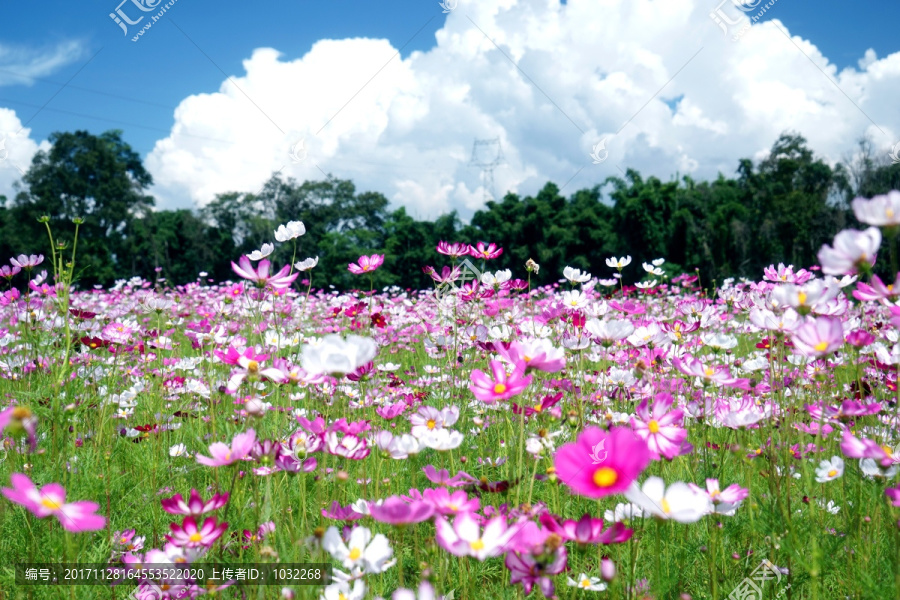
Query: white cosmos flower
x,y
178,450
263,252
623,512
334,354
592,584
388,366
645,285
658,262
340,588
830,470
719,340
574,299
492,279
371,554
608,282
292,230
576,275
307,264
678,503
442,439
609,331
618,263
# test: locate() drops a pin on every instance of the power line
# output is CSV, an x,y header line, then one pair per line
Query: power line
x,y
75,114
92,91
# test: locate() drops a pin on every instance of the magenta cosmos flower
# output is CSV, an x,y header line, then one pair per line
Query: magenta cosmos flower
x,y
502,386
366,264
660,427
397,512
223,455
51,500
195,504
486,252
188,535
586,530
600,464
454,250
261,276
893,495
862,448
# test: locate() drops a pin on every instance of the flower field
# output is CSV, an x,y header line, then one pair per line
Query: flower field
x,y
482,439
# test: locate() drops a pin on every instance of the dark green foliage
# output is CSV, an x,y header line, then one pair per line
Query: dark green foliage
x,y
780,210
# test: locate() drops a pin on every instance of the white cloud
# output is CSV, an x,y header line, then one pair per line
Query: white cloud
x,y
19,65
16,150
621,69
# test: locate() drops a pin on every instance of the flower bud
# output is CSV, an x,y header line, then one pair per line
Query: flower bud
x,y
607,569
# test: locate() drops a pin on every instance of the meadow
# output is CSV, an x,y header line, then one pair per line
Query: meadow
x,y
482,439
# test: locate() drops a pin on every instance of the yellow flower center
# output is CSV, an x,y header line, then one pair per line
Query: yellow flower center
x,y
430,424
801,298
888,450
889,212
821,346
538,408
195,537
50,503
228,455
832,473
453,507
585,583
709,372
527,358
499,388
665,506
355,553
605,477
253,366
342,596
477,545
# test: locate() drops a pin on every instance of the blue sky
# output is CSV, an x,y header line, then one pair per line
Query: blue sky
x,y
137,86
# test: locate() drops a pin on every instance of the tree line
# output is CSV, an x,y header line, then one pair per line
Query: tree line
x,y
781,209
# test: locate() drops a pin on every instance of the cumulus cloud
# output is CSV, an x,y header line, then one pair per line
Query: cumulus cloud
x,y
16,150
668,88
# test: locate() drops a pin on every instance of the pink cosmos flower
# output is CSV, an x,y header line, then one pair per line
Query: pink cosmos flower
x,y
465,538
188,535
660,427
501,386
724,502
195,505
853,250
893,495
586,530
397,512
223,455
346,445
786,274
534,354
446,503
709,373
341,513
881,211
856,448
819,337
443,478
529,569
366,264
454,250
281,280
51,500
600,464
877,291
486,252
27,262
250,369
